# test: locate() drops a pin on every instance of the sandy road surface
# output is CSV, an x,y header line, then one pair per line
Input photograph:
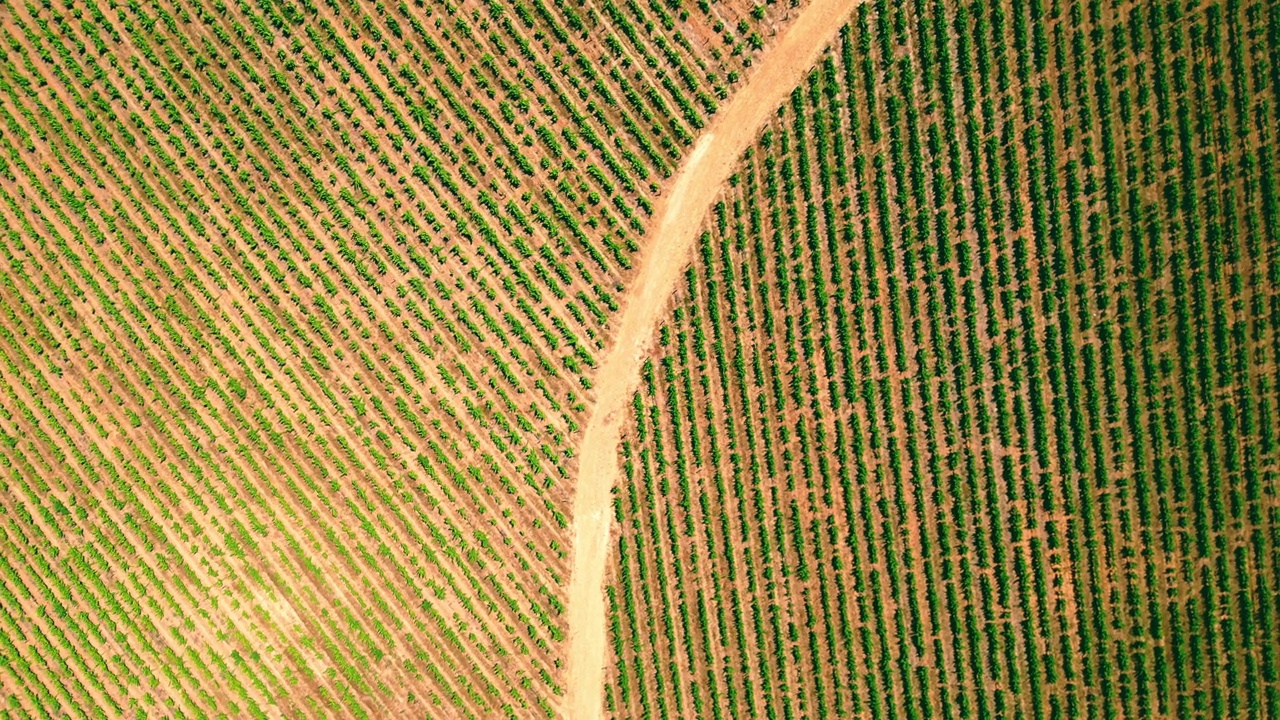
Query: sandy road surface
x,y
666,252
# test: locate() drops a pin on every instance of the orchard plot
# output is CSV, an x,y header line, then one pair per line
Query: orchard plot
x,y
301,304
965,407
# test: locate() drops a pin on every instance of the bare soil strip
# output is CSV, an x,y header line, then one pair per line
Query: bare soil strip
x,y
667,252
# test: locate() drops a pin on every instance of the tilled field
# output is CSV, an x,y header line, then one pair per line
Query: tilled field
x,y
967,406
301,305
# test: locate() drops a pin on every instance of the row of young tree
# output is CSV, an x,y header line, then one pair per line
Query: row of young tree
x,y
961,410
303,302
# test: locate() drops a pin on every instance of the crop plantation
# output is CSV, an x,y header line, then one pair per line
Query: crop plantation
x,y
963,403
301,303
967,405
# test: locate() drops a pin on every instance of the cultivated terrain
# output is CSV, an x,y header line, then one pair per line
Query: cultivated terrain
x,y
966,407
639,358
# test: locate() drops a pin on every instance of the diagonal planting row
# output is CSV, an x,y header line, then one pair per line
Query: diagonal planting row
x,y
300,305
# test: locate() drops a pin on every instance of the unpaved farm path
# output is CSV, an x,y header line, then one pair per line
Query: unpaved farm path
x,y
666,252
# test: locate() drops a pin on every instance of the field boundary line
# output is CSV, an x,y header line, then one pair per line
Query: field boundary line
x,y
667,250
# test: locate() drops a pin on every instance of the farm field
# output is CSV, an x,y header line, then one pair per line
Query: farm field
x,y
301,306
966,406
515,358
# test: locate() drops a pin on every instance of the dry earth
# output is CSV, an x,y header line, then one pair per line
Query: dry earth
x,y
666,253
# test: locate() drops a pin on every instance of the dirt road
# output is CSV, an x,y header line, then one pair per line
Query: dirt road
x,y
666,252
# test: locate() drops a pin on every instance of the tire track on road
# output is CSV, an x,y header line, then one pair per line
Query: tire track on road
x,y
666,253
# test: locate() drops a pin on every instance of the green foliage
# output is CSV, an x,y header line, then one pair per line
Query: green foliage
x,y
972,421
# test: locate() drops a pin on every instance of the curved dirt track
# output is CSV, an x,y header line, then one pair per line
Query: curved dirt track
x,y
780,68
